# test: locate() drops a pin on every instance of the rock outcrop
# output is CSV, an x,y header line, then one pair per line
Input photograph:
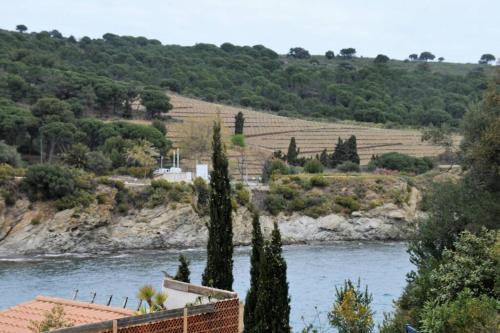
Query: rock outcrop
x,y
38,228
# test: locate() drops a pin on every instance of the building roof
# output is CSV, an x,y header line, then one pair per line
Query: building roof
x,y
17,318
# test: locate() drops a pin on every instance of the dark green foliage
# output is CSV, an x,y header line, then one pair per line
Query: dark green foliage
x,y
219,270
348,166
76,156
487,58
298,53
255,265
272,311
456,281
21,28
293,152
274,166
98,163
155,101
48,182
202,194
426,55
183,270
329,55
345,151
100,76
401,162
160,126
17,125
9,155
313,166
239,123
324,158
381,59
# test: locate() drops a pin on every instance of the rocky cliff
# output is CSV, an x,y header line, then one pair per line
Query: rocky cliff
x,y
39,228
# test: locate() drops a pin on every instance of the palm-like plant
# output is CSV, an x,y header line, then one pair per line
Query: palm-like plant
x,y
155,300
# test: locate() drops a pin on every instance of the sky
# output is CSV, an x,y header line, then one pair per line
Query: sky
x,y
458,30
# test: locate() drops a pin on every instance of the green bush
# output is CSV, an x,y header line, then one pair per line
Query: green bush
x,y
318,181
348,166
238,140
313,166
47,182
9,155
98,163
275,203
272,167
467,314
286,191
347,201
162,183
401,162
78,199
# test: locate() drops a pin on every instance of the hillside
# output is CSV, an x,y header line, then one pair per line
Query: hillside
x,y
103,75
266,133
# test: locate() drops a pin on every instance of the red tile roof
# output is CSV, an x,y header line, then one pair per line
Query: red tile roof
x,y
17,319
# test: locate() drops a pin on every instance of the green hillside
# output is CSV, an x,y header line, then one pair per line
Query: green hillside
x,y
104,75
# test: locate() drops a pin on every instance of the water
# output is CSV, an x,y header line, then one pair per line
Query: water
x,y
313,273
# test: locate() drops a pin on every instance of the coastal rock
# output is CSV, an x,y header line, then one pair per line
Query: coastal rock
x,y
38,228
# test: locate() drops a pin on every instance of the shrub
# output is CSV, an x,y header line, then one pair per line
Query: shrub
x,y
317,211
348,166
9,155
78,199
286,191
347,201
401,162
45,181
118,184
318,181
98,163
275,203
238,140
243,196
162,183
272,167
466,314
313,166
35,220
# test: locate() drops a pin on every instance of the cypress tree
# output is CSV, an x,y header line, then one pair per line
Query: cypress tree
x,y
339,154
219,270
293,152
239,123
352,150
183,270
272,312
323,158
255,262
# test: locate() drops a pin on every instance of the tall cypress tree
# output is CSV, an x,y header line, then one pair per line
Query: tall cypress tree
x,y
293,152
219,270
272,312
339,153
352,149
183,270
239,123
255,262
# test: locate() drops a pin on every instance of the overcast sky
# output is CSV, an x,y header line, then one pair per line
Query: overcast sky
x,y
457,30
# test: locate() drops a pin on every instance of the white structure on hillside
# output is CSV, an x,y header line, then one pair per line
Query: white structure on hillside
x,y
202,171
173,174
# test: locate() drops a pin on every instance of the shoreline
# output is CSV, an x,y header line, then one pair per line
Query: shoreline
x,y
33,256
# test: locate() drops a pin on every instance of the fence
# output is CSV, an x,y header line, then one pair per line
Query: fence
x,y
220,316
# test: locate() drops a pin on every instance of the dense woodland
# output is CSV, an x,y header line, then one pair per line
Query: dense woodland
x,y
105,75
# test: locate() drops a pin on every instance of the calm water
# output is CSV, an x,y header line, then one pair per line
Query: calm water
x,y
313,273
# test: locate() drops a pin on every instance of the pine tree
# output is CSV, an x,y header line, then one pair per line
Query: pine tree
x,y
183,270
323,158
219,270
293,152
255,262
352,150
239,123
272,312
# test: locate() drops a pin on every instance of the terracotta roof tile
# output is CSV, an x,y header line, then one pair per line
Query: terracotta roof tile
x,y
17,318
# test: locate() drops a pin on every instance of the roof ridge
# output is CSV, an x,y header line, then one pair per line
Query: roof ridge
x,y
81,304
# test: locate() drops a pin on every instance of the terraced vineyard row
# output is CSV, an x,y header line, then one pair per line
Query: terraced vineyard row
x,y
266,133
